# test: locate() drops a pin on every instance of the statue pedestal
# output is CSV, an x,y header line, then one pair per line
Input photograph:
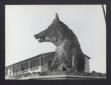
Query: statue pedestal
x,y
68,76
59,76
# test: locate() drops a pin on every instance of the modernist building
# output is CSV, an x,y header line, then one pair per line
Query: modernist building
x,y
36,64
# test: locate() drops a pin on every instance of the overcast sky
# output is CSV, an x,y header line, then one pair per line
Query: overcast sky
x,y
23,21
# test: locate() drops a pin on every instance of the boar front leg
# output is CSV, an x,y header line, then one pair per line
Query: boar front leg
x,y
55,62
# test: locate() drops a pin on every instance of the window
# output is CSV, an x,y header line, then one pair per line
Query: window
x,y
34,63
24,66
16,68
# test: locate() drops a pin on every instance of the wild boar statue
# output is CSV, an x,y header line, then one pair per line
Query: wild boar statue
x,y
68,54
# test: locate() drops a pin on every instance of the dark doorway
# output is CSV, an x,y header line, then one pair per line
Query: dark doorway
x,y
64,69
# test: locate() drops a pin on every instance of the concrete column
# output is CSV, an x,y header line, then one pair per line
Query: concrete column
x,y
87,69
29,64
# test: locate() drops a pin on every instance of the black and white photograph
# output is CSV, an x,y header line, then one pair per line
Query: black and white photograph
x,y
55,42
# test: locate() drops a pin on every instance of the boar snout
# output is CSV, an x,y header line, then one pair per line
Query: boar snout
x,y
36,36
39,36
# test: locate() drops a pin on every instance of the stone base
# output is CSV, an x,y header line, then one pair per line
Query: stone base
x,y
67,77
60,76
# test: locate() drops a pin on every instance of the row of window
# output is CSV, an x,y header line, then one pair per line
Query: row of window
x,y
26,65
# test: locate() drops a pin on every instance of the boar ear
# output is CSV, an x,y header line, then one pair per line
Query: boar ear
x,y
56,18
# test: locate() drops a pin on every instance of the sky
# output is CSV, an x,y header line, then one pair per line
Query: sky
x,y
23,21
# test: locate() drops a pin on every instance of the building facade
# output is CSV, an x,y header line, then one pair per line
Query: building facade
x,y
40,63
